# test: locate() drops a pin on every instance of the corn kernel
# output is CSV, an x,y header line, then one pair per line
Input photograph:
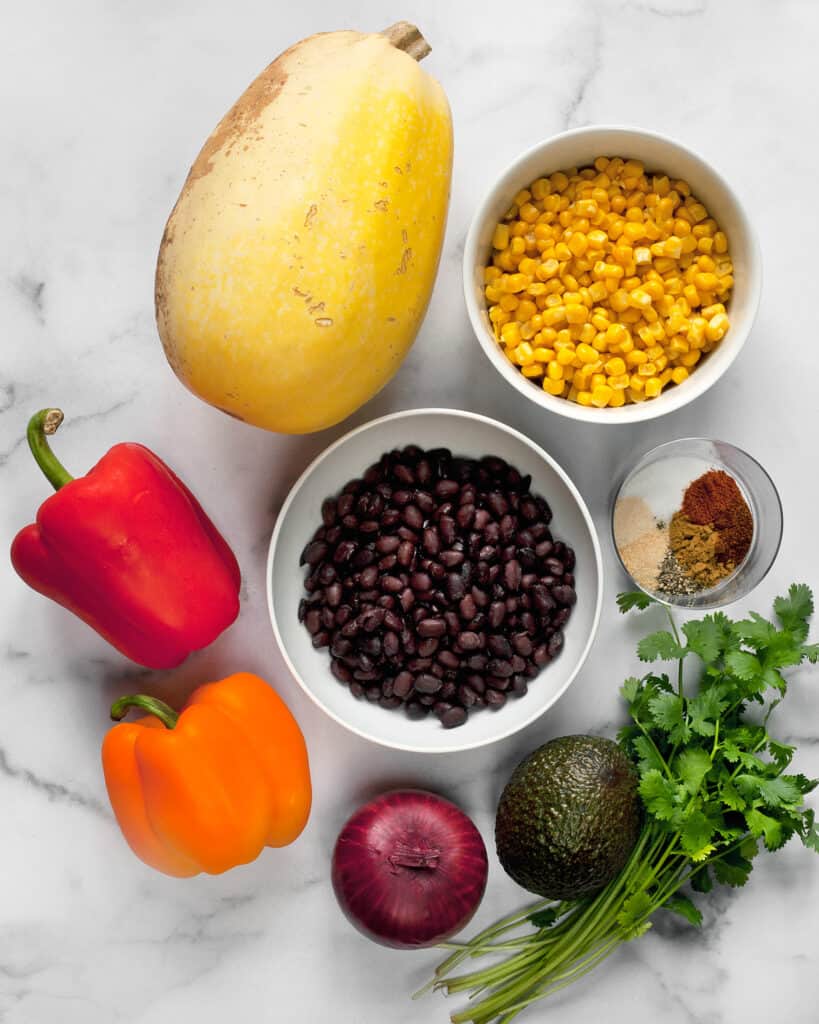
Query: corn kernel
x,y
566,355
679,374
601,395
554,370
554,387
653,387
534,370
584,398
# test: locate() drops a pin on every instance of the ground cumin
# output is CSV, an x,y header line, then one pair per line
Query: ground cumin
x,y
697,549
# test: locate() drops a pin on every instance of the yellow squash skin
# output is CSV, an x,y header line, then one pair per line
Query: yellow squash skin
x,y
298,262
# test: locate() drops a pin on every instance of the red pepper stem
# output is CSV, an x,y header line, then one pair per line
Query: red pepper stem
x,y
42,424
166,714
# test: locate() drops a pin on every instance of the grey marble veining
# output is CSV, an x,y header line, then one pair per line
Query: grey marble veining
x,y
103,108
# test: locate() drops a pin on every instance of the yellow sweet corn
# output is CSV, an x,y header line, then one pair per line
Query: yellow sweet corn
x,y
607,283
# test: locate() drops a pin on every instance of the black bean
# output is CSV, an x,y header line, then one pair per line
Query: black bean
x,y
391,584
527,620
405,553
340,671
403,473
350,522
401,498
315,551
541,655
564,595
402,684
343,614
507,528
554,566
357,690
468,608
555,644
328,511
431,541
407,599
512,574
328,619
497,612
447,488
499,646
427,683
469,641
569,559
500,667
371,619
344,551
390,518
522,644
480,597
446,527
451,559
501,683
431,627
426,648
520,687
476,682
418,664
420,581
391,644
345,504
543,600
455,586
373,693
478,662
427,699
494,699
386,544
453,717
449,660
413,517
313,620
390,702
321,639
369,577
465,516
561,617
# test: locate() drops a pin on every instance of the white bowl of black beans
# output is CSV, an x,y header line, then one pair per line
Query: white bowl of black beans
x,y
434,581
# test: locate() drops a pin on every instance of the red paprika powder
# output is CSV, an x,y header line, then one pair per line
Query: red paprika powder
x,y
714,499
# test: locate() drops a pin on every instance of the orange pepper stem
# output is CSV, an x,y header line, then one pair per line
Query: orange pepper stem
x,y
166,714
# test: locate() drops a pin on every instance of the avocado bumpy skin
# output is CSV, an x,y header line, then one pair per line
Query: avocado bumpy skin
x,y
569,817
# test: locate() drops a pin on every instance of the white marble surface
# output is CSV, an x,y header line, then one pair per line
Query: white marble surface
x,y
104,106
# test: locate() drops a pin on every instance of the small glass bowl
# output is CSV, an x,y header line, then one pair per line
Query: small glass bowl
x,y
660,478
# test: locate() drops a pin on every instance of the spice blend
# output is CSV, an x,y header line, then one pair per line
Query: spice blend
x,y
704,543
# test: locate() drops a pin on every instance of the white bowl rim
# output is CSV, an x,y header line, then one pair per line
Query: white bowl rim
x,y
668,402
585,515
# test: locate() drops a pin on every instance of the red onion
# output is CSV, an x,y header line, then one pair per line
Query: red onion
x,y
409,869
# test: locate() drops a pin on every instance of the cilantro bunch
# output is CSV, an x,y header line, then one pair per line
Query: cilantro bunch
x,y
716,788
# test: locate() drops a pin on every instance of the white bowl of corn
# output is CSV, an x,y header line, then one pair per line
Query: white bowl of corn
x,y
611,275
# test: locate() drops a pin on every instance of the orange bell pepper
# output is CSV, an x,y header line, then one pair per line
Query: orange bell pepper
x,y
208,788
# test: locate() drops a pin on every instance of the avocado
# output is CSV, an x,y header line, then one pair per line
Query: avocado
x,y
569,817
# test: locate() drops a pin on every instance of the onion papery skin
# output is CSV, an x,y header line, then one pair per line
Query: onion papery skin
x,y
409,869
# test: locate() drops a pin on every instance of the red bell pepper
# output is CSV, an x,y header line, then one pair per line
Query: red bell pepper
x,y
129,550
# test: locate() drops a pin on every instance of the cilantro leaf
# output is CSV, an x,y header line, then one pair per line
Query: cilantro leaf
x,y
755,631
660,645
634,599
668,715
701,880
764,825
660,795
732,868
682,905
705,709
743,665
630,689
705,638
692,766
794,610
811,652
544,918
731,798
648,757
632,913
696,834
809,834
778,792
